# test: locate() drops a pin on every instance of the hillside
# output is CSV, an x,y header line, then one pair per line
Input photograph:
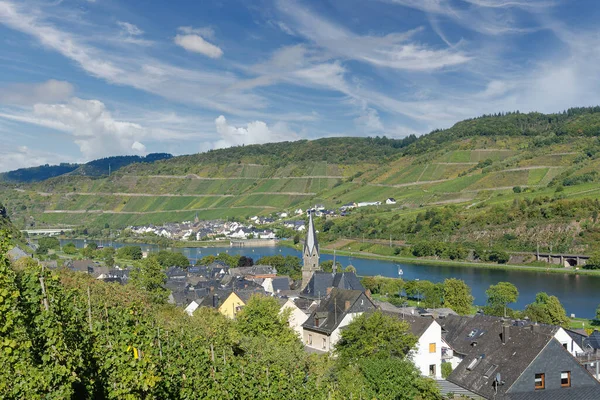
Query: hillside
x,y
93,168
515,179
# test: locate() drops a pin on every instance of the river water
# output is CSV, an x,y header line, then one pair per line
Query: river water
x,y
580,294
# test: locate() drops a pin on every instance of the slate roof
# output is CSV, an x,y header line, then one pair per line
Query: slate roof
x,y
254,270
16,253
321,281
332,309
175,273
418,324
311,246
281,283
593,341
567,393
509,359
577,337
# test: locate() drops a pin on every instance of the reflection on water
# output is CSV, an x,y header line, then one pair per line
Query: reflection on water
x,y
579,294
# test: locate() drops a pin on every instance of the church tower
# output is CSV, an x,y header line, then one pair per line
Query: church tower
x,y
310,255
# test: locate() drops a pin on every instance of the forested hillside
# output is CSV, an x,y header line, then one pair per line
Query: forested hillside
x,y
516,180
93,168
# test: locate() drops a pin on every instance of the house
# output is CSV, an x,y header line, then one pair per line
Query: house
x,y
298,211
348,206
391,200
503,359
16,253
368,203
322,329
427,354
299,310
277,284
254,272
236,301
320,282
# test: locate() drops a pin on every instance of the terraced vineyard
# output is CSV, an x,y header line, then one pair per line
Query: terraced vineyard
x,y
472,172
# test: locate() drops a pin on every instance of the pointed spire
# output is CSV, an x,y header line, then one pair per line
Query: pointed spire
x,y
311,236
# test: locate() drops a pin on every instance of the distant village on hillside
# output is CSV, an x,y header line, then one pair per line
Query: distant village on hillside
x,y
221,230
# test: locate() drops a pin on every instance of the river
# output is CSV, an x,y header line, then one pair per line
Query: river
x,y
579,294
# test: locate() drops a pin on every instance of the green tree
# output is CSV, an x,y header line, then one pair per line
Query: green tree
x,y
593,262
69,248
47,243
350,268
547,310
398,379
206,260
499,296
457,296
375,335
327,266
130,252
149,276
446,369
171,259
296,238
261,317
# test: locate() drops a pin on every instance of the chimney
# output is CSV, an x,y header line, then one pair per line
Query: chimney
x,y
329,290
347,306
535,327
505,333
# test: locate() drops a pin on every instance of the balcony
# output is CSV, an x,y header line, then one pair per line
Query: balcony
x,y
588,357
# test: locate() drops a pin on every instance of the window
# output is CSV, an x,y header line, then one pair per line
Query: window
x,y
565,379
566,346
309,339
432,370
540,381
324,343
432,347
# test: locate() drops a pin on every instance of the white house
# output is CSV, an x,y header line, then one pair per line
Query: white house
x,y
391,200
427,354
322,329
368,203
298,211
297,316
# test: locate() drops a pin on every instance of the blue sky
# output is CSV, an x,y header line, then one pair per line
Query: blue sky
x,y
82,79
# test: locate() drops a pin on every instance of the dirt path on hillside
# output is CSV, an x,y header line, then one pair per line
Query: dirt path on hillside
x,y
194,176
147,212
408,184
144,194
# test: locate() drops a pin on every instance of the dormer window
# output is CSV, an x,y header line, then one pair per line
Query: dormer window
x,y
540,381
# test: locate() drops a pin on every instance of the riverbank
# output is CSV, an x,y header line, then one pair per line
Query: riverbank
x,y
551,268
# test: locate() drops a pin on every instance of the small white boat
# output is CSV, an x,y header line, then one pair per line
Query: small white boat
x,y
400,272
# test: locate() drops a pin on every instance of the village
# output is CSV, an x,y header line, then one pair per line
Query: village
x,y
255,228
480,356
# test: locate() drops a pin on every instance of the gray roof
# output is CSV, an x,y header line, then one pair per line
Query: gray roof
x,y
311,245
281,283
567,393
593,340
510,360
334,308
16,253
254,270
321,281
418,324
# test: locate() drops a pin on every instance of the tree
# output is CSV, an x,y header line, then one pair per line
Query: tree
x,y
47,243
206,260
598,313
398,379
457,296
350,268
245,261
149,276
69,248
296,238
375,335
593,262
547,310
171,259
499,296
327,266
130,252
260,317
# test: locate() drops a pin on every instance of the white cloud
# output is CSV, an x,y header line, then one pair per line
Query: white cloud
x,y
368,119
196,44
23,157
138,147
27,94
130,29
392,51
255,132
92,126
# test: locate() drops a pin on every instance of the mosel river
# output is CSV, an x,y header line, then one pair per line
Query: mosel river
x,y
579,294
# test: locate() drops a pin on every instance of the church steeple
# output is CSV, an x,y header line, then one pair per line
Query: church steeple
x,y
310,255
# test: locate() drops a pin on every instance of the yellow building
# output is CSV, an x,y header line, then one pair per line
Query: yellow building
x,y
232,305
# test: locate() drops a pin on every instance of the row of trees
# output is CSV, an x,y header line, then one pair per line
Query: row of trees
x,y
455,294
67,336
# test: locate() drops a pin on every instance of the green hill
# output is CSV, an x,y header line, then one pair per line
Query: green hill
x,y
98,167
515,179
